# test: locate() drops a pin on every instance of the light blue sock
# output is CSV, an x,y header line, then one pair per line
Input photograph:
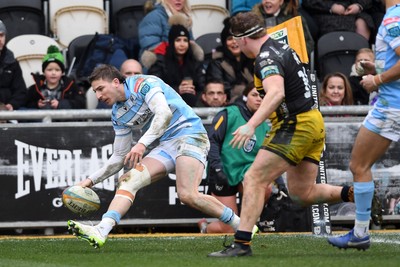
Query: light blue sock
x,y
363,194
227,215
113,215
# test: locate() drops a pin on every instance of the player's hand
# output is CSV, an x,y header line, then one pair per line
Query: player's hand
x,y
242,135
368,67
135,156
367,83
86,183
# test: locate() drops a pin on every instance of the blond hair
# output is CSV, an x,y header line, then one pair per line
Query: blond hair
x,y
186,7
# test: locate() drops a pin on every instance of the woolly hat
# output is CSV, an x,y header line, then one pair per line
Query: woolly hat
x,y
53,55
176,31
3,27
226,31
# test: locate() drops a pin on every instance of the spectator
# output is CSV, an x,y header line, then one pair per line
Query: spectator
x,y
227,165
213,94
341,16
377,12
393,200
242,6
275,12
131,67
336,90
53,89
154,27
179,64
230,65
360,95
12,84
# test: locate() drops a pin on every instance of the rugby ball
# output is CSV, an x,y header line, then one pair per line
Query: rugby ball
x,y
81,200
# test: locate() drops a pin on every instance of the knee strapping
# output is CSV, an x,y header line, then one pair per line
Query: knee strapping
x,y
130,184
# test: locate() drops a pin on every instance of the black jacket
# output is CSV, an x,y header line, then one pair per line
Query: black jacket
x,y
70,96
226,68
12,84
173,74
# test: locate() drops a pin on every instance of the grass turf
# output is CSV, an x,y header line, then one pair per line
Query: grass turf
x,y
191,250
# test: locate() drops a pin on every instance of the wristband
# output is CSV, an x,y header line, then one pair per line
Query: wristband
x,y
373,81
380,78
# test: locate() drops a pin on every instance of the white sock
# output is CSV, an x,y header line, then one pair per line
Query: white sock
x,y
234,222
105,226
361,228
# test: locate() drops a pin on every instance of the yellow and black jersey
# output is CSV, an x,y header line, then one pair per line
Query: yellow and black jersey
x,y
279,59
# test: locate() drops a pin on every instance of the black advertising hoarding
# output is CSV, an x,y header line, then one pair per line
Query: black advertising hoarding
x,y
38,161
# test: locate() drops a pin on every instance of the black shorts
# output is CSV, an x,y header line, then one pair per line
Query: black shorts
x,y
223,190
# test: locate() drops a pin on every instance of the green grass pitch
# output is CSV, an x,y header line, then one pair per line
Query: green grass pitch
x,y
191,250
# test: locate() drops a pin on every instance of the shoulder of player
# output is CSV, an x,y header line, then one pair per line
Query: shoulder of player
x,y
142,83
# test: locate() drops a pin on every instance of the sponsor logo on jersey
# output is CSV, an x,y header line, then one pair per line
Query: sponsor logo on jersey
x,y
264,54
269,70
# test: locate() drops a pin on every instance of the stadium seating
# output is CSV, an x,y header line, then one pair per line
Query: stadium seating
x,y
125,16
209,42
336,51
72,18
91,99
29,50
24,17
207,19
221,3
75,51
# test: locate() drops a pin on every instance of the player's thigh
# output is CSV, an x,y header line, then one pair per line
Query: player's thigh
x,y
364,154
155,167
189,173
267,166
191,155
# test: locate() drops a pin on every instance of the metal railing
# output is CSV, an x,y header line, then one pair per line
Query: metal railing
x,y
331,113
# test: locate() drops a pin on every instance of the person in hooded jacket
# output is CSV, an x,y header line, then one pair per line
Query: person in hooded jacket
x,y
53,89
230,65
12,84
179,65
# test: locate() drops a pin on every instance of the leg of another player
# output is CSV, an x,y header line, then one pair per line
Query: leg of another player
x,y
304,190
265,169
189,172
363,156
120,205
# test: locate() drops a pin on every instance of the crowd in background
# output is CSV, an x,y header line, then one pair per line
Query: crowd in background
x,y
169,51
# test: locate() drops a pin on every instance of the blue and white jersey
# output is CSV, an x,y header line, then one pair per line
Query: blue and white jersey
x,y
387,40
135,113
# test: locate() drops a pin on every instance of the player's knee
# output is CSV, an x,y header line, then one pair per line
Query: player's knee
x,y
187,197
132,181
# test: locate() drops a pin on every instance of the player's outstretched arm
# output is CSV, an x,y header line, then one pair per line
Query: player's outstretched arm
x,y
121,146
